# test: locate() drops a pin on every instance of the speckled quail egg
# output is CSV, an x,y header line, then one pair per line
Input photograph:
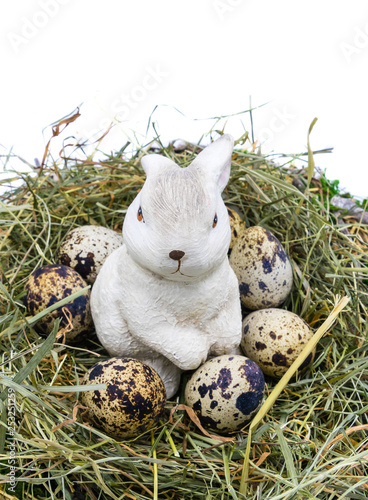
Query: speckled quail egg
x,y
262,267
132,402
274,338
86,248
225,392
52,283
237,225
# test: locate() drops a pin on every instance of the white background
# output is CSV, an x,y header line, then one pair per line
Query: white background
x,y
205,58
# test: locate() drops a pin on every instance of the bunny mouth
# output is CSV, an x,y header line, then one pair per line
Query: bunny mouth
x,y
178,271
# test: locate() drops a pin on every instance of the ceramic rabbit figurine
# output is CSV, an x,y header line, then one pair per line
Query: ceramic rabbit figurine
x,y
168,296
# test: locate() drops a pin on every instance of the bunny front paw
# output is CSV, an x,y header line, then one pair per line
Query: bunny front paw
x,y
186,348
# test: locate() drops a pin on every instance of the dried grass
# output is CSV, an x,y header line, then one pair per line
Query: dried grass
x,y
310,439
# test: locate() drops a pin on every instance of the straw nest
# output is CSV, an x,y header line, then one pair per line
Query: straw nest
x,y
309,439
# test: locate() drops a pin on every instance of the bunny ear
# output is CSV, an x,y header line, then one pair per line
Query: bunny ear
x,y
215,160
153,163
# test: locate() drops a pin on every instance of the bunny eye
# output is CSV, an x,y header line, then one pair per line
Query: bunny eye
x,y
140,214
214,224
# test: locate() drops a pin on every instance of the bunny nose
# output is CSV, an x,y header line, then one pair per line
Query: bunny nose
x,y
176,254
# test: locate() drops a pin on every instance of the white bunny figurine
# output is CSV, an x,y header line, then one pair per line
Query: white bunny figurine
x,y
168,295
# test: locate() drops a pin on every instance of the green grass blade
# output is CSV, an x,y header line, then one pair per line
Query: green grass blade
x,y
43,351
285,449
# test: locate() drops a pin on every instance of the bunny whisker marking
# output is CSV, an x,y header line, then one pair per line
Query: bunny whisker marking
x,y
138,303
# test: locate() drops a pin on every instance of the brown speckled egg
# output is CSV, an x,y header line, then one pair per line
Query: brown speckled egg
x,y
52,283
225,392
86,248
132,402
262,267
237,225
274,338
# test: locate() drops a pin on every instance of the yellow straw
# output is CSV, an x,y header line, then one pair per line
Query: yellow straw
x,y
339,306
